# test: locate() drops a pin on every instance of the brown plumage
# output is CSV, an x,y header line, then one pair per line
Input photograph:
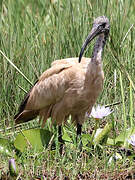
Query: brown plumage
x,y
68,87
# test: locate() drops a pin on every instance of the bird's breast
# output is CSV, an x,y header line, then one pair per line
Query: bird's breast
x,y
81,97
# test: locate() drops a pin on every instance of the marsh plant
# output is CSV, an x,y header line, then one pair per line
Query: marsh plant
x,y
32,35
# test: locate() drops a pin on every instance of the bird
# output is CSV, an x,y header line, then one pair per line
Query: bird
x,y
70,86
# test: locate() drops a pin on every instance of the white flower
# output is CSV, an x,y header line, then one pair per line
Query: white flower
x,y
132,140
100,112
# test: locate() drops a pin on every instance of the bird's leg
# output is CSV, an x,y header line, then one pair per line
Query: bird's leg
x,y
60,139
79,131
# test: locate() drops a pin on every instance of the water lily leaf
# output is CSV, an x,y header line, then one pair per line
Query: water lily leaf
x,y
34,138
5,147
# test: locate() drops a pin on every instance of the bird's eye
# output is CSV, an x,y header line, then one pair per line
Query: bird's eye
x,y
103,25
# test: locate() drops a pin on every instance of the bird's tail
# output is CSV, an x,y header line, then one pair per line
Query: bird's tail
x,y
25,115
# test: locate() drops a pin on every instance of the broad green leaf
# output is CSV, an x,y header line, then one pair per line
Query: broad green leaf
x,y
111,142
86,138
65,136
35,138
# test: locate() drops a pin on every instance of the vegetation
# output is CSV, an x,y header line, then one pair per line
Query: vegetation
x,y
32,35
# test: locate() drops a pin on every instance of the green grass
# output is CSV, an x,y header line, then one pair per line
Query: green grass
x,y
35,33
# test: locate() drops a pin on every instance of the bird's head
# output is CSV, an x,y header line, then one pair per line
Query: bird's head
x,y
100,25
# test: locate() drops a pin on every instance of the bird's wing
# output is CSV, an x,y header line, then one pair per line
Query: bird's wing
x,y
49,89
54,70
43,92
53,82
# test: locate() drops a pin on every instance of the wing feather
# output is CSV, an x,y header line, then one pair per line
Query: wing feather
x,y
49,89
28,109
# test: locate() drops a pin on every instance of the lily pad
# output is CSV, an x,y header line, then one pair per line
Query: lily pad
x,y
34,138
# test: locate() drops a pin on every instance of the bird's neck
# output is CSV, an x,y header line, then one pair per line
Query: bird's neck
x,y
98,48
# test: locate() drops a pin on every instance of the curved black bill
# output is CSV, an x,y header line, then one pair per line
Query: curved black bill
x,y
94,32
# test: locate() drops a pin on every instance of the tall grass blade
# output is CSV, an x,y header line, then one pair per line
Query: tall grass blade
x,y
123,102
120,66
12,64
131,107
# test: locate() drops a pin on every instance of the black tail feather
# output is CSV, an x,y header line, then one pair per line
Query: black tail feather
x,y
23,103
